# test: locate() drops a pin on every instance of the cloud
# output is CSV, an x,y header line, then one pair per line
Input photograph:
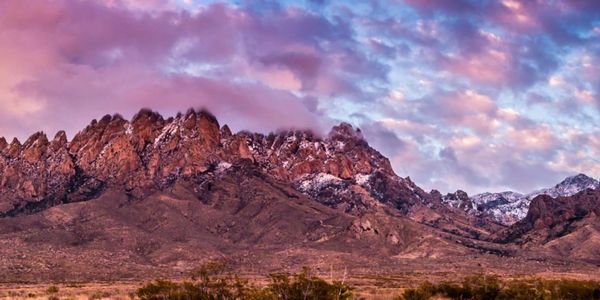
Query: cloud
x,y
476,95
88,58
467,108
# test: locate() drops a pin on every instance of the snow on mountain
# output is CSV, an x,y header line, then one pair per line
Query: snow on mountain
x,y
459,200
570,186
509,207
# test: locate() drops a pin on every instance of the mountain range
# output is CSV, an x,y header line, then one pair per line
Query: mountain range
x,y
156,196
509,207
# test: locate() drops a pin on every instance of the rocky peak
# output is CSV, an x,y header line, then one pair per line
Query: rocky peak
x,y
14,148
226,132
579,180
3,144
459,199
569,186
146,116
60,140
209,128
34,147
345,131
35,140
435,194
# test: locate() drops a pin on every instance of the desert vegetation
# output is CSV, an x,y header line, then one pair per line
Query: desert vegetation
x,y
492,288
210,282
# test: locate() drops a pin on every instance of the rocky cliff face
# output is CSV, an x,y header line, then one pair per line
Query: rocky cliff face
x,y
151,153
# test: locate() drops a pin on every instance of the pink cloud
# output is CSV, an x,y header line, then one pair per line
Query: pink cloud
x,y
87,58
468,108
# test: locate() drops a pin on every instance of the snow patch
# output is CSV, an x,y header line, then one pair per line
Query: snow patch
x,y
317,181
128,129
362,179
223,166
166,132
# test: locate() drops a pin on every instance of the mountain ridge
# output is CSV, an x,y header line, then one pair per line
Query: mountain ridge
x,y
138,189
509,207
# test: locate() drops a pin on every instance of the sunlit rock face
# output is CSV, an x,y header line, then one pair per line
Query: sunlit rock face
x,y
151,153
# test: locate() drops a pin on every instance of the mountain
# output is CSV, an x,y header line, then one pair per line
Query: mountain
x,y
133,198
509,207
155,197
570,186
565,226
151,153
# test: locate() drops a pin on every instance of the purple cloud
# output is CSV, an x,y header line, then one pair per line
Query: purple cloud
x,y
459,94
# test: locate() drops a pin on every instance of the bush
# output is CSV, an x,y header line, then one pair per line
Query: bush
x,y
211,283
573,289
52,289
488,287
423,292
523,291
306,286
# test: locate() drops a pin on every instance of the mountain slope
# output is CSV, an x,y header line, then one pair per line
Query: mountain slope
x,y
234,212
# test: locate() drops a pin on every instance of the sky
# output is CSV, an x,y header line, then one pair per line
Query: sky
x,y
472,95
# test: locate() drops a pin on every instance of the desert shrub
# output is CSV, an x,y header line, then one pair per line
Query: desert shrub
x,y
423,292
486,287
481,287
211,283
208,283
52,289
305,286
524,291
573,289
